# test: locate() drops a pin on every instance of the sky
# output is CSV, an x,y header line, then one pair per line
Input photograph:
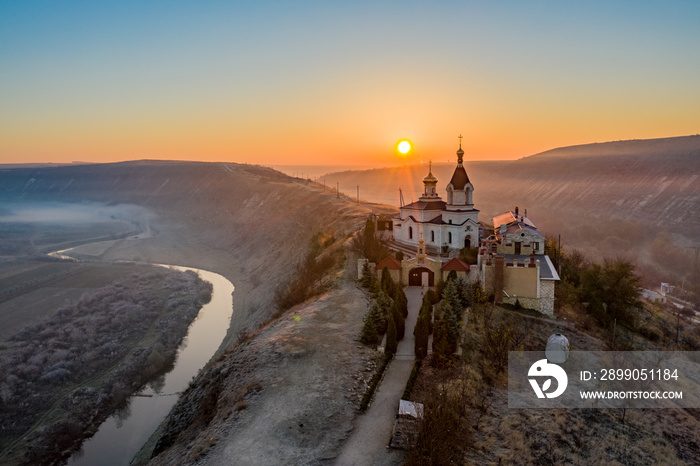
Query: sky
x,y
340,83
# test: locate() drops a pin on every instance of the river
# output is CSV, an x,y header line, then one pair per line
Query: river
x,y
123,434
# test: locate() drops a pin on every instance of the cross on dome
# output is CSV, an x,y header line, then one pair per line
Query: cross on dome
x,y
460,152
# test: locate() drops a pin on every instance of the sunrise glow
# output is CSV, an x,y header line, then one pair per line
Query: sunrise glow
x,y
404,147
227,82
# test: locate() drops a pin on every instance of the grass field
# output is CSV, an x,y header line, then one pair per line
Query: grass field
x,y
78,348
29,291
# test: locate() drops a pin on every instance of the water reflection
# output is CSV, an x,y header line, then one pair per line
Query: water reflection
x,y
121,436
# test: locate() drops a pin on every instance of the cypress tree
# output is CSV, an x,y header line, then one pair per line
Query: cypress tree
x,y
391,342
399,321
442,349
369,333
366,279
421,336
374,286
401,300
378,317
387,282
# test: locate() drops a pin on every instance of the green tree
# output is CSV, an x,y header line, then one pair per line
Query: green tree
x,y
369,333
378,317
391,342
401,300
421,335
613,286
399,321
387,283
463,292
367,276
442,348
431,297
368,245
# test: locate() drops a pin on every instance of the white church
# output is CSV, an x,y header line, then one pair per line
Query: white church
x,y
440,225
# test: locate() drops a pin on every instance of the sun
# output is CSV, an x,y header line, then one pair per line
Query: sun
x,y
404,147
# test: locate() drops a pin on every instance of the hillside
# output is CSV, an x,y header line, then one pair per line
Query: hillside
x,y
252,225
675,146
247,223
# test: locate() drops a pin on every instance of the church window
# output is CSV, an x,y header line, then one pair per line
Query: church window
x,y
432,236
449,237
536,246
410,232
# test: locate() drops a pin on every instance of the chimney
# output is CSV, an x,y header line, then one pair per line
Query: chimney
x,y
516,211
525,213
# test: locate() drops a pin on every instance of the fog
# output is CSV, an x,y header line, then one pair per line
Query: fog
x,y
73,213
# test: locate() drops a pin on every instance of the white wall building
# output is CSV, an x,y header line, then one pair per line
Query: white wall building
x,y
454,224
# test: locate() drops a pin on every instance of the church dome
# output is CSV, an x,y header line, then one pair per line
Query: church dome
x,y
430,179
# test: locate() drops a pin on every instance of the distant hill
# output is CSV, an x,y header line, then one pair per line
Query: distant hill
x,y
676,146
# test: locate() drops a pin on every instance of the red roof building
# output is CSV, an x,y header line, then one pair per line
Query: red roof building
x,y
390,263
455,264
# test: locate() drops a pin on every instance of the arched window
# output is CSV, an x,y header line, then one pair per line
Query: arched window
x,y
410,232
467,242
449,237
432,236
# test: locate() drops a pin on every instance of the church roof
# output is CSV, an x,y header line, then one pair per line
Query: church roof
x,y
459,178
509,217
430,179
455,264
390,263
426,205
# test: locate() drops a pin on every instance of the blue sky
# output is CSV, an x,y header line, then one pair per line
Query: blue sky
x,y
304,82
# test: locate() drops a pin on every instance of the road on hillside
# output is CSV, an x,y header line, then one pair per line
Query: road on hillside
x,y
369,440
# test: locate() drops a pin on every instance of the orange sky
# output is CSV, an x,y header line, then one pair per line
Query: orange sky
x,y
340,85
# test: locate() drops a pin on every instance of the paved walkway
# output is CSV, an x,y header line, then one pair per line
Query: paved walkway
x,y
369,440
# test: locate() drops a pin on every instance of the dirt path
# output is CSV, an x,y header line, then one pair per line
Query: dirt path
x,y
306,366
367,445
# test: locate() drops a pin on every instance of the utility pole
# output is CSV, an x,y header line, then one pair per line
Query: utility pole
x,y
559,255
400,198
337,190
358,194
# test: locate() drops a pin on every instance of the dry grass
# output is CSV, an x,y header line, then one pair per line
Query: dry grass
x,y
499,435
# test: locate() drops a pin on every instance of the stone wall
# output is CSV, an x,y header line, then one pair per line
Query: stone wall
x,y
547,297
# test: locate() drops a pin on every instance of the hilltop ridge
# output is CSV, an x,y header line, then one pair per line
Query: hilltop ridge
x,y
672,146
